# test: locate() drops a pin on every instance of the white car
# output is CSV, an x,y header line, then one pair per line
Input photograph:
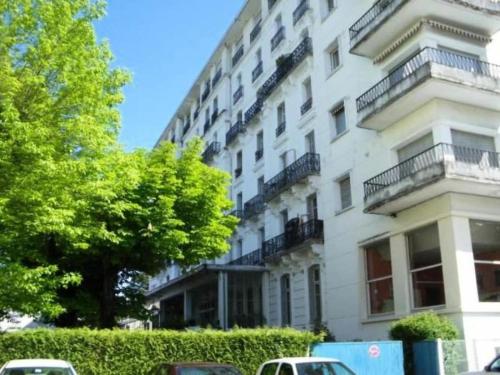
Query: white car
x,y
37,367
304,366
492,368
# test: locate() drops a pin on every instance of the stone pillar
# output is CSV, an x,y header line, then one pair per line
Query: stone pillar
x,y
222,299
187,306
458,263
400,275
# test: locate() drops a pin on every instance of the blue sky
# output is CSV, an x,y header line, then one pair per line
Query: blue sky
x,y
165,44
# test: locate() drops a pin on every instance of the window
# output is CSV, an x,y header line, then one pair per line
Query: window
x,y
286,317
239,116
345,192
323,368
315,293
425,267
260,184
307,100
281,113
239,249
474,148
259,153
327,7
332,58
379,278
262,236
284,219
486,247
270,368
284,160
239,164
286,369
239,202
338,119
312,206
310,143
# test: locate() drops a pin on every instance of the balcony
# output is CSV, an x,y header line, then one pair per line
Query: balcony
x,y
237,213
251,259
299,12
254,206
253,111
211,151
234,131
238,55
441,169
306,107
308,165
206,93
259,154
431,74
296,236
388,19
238,94
255,31
280,129
259,69
217,77
278,38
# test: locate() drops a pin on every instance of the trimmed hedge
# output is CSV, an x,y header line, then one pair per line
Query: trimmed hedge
x,y
137,352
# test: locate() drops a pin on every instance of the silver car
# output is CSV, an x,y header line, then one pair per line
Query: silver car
x,y
37,367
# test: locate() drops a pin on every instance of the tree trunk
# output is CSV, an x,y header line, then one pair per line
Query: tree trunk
x,y
107,301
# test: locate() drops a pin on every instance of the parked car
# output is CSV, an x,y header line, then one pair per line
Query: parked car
x,y
305,366
194,368
493,367
37,367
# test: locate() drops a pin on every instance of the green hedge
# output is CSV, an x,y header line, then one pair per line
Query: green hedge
x,y
137,352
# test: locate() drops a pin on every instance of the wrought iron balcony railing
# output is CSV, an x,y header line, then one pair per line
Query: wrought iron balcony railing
x,y
307,165
238,94
206,93
259,154
253,111
306,107
233,132
280,129
259,69
278,38
254,206
423,59
213,149
299,12
251,259
295,236
238,55
217,77
255,31
436,162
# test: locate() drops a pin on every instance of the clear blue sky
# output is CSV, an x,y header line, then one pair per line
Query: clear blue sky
x,y
165,44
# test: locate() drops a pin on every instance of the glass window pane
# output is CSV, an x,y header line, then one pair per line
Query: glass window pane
x,y
378,260
428,287
423,247
286,369
381,296
488,282
270,369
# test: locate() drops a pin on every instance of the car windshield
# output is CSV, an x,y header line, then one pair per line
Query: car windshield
x,y
209,370
36,371
323,368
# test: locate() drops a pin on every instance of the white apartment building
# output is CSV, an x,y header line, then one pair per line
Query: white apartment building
x,y
362,139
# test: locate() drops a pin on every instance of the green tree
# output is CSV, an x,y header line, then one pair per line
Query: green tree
x,y
82,222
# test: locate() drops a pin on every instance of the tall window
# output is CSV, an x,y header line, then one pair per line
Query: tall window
x,y
310,142
239,201
284,160
262,236
259,153
425,267
281,112
284,218
333,58
379,278
239,116
286,310
239,164
315,293
338,119
260,184
215,106
486,247
312,206
345,192
327,6
307,100
239,249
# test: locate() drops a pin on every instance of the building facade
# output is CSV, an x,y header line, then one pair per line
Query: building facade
x,y
362,141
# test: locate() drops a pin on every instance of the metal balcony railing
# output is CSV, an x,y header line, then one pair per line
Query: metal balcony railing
x,y
238,55
253,111
238,94
259,154
255,31
299,12
233,132
437,158
424,58
254,206
213,149
217,77
310,230
278,38
280,129
251,259
259,69
308,165
306,107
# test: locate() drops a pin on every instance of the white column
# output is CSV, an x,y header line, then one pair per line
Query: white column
x,y
400,275
458,263
222,299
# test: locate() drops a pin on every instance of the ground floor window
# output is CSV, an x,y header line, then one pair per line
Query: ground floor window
x,y
425,267
486,247
286,308
315,293
379,278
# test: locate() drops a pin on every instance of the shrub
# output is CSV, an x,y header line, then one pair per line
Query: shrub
x,y
421,327
137,352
